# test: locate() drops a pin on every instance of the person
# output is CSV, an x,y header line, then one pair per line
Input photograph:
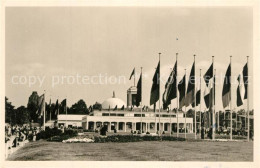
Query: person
x,y
202,133
9,131
210,133
62,128
34,135
103,131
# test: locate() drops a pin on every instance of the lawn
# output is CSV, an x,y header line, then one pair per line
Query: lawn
x,y
136,151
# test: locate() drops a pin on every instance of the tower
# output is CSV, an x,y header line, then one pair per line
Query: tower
x,y
131,96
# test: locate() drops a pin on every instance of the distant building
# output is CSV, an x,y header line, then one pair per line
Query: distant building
x,y
115,115
70,120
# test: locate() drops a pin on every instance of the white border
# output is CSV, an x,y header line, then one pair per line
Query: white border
x,y
136,3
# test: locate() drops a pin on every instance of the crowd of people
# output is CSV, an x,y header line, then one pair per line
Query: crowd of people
x,y
16,136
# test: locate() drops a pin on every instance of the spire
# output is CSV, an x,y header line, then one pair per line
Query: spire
x,y
114,95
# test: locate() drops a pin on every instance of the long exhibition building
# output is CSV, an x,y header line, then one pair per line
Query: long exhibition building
x,y
114,115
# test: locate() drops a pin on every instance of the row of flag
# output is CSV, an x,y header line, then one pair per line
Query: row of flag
x,y
187,96
42,106
190,95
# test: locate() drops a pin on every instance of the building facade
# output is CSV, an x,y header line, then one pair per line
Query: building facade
x,y
127,121
116,116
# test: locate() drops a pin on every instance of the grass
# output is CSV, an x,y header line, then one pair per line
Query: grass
x,y
136,151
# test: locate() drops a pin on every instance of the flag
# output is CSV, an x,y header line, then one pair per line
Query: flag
x,y
90,109
133,73
182,90
208,75
56,108
170,88
63,105
123,107
154,97
41,102
50,110
207,96
245,80
191,87
226,96
197,99
115,108
208,93
139,91
240,90
143,108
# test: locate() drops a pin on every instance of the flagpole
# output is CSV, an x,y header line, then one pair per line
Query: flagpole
x,y
213,104
159,96
195,100
170,120
236,117
58,113
170,112
248,120
155,124
44,111
66,112
231,117
200,100
214,97
185,108
177,100
50,107
141,103
134,77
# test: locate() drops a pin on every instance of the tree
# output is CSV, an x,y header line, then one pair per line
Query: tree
x,y
32,106
79,108
190,113
97,106
22,115
9,112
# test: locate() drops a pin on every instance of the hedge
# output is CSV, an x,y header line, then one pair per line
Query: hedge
x,y
131,138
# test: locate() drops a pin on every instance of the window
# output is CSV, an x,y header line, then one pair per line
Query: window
x,y
120,127
105,114
165,115
113,114
121,115
139,115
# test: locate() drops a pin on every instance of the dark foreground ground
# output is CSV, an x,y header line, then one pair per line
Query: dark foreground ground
x,y
136,151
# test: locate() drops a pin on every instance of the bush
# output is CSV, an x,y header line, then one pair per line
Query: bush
x,y
48,133
71,133
132,138
88,130
56,135
59,138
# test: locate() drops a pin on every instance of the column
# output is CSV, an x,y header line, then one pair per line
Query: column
x,y
109,127
87,125
94,125
117,126
163,126
125,127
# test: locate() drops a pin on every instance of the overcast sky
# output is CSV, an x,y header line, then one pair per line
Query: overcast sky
x,y
111,41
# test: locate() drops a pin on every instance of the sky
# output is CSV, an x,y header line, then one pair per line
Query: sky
x,y
52,46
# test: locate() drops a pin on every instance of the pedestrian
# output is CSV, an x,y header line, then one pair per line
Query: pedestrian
x,y
202,133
